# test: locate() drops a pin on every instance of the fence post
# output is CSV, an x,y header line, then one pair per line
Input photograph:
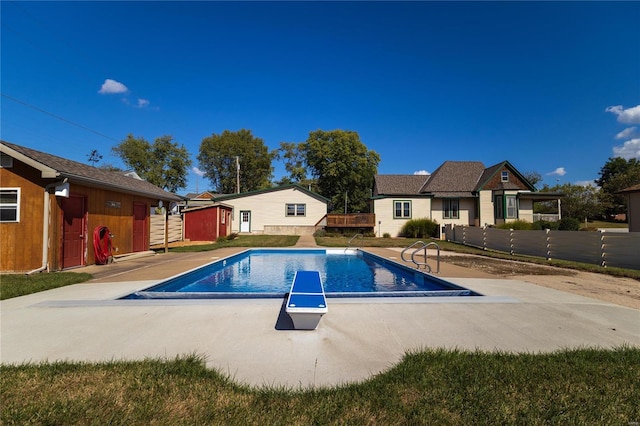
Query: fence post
x,y
602,249
511,241
548,244
484,237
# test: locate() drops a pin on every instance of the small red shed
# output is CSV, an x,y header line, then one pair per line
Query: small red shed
x,y
207,223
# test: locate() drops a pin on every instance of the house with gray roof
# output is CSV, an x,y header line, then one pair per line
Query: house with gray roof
x,y
457,193
52,207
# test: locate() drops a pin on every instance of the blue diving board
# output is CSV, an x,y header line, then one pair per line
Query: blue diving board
x,y
306,303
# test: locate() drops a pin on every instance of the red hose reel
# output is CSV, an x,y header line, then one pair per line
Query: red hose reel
x,y
102,245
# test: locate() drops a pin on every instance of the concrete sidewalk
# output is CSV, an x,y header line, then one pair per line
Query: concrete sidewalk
x,y
253,342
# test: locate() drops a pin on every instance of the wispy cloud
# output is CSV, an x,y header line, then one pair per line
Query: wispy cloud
x,y
421,172
626,133
630,149
197,171
110,87
585,183
560,171
627,116
142,103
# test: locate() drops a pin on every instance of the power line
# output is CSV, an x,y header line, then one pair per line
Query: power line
x,y
18,101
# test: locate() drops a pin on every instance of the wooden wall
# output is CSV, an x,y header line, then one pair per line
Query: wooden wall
x,y
104,208
21,242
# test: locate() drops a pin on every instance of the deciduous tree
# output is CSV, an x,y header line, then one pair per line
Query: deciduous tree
x,y
217,159
164,163
616,175
344,167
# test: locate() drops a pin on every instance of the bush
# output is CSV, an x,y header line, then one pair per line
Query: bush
x,y
386,235
420,228
569,224
320,233
516,225
543,224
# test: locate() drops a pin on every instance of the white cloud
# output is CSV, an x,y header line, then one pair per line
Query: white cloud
x,y
585,183
421,172
630,149
560,171
111,86
197,171
627,116
626,133
142,103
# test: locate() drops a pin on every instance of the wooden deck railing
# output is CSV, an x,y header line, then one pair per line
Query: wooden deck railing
x,y
354,220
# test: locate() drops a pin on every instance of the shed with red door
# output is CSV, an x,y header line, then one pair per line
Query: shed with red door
x,y
207,223
50,207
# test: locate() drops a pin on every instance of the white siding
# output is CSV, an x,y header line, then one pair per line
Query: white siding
x,y
486,208
466,217
525,211
386,223
269,209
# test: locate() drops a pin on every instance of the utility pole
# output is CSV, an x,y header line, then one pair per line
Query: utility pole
x,y
237,174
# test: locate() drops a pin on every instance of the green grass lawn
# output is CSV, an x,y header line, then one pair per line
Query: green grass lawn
x,y
430,387
14,285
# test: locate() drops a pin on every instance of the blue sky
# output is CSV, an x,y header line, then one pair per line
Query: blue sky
x,y
552,87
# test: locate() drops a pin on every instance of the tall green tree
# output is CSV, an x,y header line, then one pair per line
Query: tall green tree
x,y
344,168
293,156
217,159
164,163
616,175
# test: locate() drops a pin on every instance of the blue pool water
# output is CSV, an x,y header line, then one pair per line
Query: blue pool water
x,y
270,272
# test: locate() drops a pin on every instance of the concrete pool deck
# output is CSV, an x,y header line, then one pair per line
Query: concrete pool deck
x,y
252,340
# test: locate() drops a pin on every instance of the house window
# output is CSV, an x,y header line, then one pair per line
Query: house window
x,y
401,209
223,216
10,205
296,209
451,208
499,207
505,176
512,206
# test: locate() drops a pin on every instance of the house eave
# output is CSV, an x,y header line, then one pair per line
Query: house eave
x,y
46,172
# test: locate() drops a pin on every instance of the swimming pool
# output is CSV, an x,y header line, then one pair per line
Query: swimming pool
x,y
266,273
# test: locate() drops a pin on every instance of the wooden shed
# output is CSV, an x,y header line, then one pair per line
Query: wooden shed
x,y
50,207
207,223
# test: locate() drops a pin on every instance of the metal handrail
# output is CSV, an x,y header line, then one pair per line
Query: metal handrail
x,y
407,248
424,247
353,238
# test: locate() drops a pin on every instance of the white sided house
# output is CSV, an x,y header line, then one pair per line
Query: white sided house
x,y
282,210
456,193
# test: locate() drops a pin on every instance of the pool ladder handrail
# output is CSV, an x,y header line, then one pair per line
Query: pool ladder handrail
x,y
351,239
423,246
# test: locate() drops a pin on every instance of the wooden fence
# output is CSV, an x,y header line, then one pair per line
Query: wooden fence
x,y
602,248
156,235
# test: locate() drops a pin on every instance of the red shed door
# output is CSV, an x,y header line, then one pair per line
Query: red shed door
x,y
140,239
73,231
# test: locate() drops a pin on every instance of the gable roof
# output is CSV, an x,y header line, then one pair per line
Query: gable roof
x,y
451,179
454,179
273,189
51,166
398,184
491,171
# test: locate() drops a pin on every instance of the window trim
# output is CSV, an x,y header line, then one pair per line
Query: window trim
x,y
15,205
403,204
448,210
504,176
296,206
514,207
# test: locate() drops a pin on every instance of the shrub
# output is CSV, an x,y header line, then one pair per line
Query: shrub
x,y
517,225
420,228
569,224
543,224
386,235
369,234
232,236
320,233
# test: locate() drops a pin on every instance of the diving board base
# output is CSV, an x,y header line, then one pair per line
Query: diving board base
x,y
306,303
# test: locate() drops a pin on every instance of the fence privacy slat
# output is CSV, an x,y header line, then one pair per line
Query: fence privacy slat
x,y
156,234
599,248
